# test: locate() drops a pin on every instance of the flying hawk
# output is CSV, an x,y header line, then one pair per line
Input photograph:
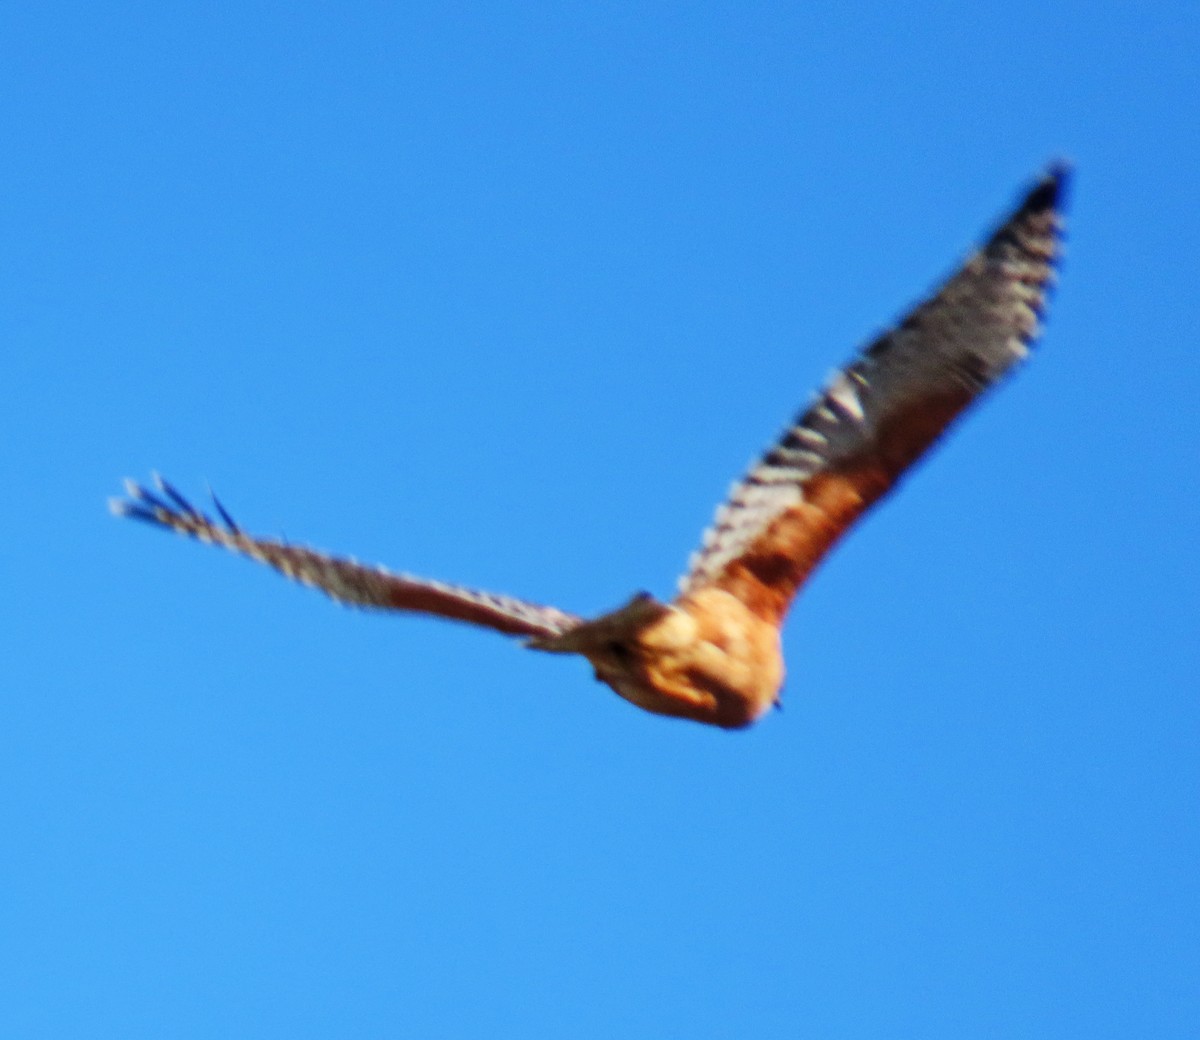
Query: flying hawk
x,y
713,653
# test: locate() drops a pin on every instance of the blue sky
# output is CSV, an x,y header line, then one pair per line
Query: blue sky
x,y
508,294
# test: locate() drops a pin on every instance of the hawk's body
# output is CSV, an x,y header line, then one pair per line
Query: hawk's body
x,y
713,654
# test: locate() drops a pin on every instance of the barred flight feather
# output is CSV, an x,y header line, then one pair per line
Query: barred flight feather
x,y
343,579
877,416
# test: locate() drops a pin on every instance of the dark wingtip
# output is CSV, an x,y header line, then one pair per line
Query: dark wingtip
x,y
139,494
181,503
140,503
229,521
1050,192
131,510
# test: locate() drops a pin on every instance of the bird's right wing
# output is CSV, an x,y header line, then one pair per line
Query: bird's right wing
x,y
880,414
343,579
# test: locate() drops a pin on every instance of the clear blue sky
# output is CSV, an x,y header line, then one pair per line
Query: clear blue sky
x,y
508,294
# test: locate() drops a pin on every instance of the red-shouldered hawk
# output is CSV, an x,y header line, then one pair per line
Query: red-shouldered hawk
x,y
713,653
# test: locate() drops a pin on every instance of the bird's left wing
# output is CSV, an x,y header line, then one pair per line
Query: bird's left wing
x,y
343,579
881,413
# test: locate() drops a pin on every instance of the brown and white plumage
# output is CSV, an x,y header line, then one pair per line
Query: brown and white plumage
x,y
713,654
344,579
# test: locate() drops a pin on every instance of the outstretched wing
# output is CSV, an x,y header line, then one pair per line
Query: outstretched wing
x,y
345,580
876,417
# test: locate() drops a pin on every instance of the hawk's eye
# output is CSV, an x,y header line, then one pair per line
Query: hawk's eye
x,y
620,651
